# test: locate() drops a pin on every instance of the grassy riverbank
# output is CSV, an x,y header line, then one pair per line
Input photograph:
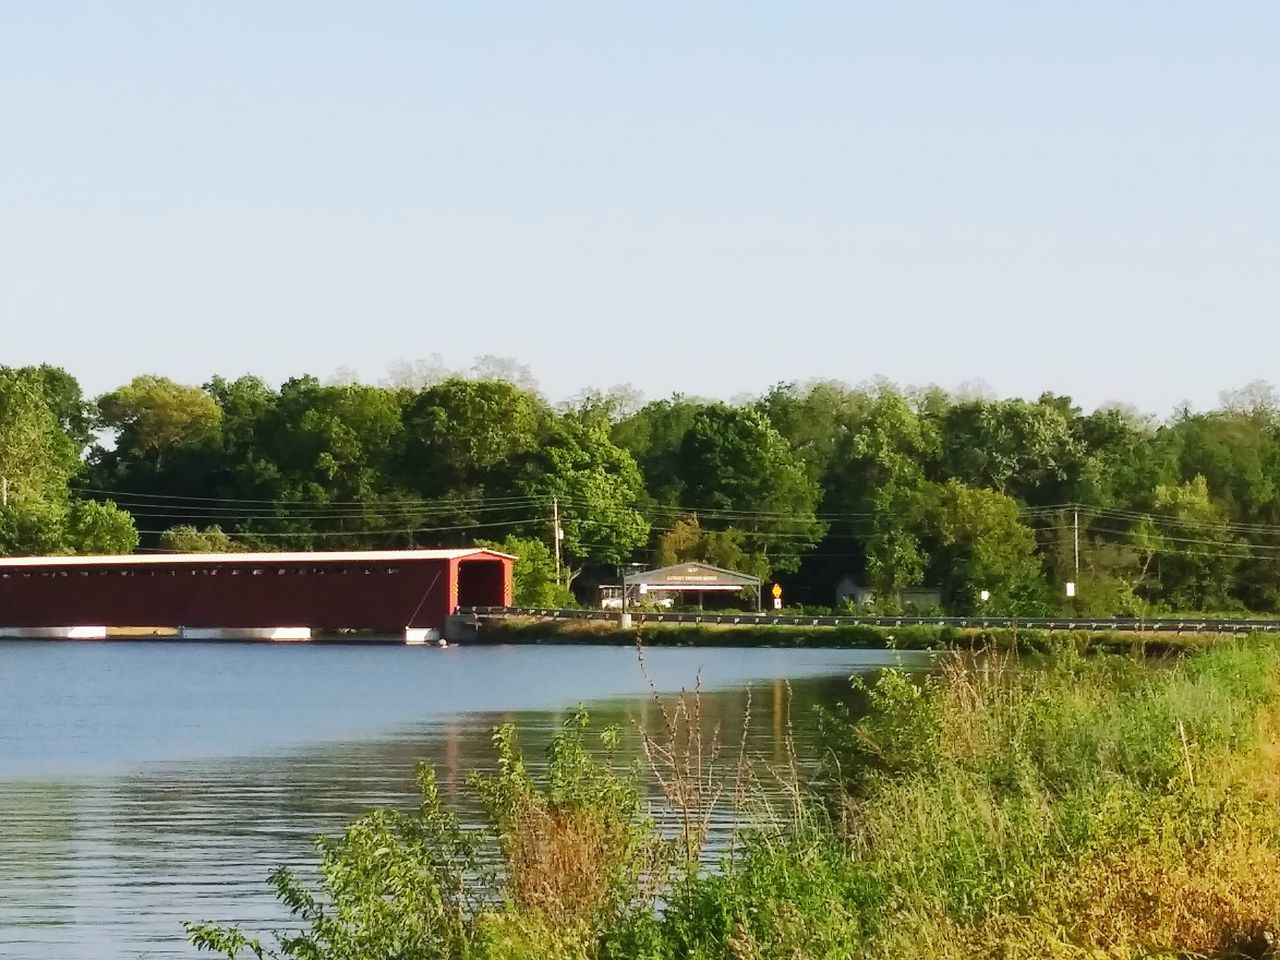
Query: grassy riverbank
x,y
1094,808
852,636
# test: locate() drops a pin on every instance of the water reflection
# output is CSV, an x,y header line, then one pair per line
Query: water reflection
x,y
143,785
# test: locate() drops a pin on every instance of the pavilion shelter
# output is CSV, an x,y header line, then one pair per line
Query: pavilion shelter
x,y
691,577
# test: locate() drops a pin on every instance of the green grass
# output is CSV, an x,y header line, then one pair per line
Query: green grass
x,y
1091,807
850,636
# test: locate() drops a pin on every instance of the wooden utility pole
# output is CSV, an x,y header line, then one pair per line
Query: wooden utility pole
x,y
555,533
1076,539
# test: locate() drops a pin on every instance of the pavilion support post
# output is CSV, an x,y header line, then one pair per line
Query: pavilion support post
x,y
624,617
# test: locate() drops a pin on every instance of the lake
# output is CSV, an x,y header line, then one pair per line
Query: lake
x,y
142,784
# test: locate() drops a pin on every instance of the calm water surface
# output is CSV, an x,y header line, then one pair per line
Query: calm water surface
x,y
142,784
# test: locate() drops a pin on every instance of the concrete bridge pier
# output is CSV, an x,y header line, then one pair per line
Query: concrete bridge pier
x,y
279,634
421,636
54,633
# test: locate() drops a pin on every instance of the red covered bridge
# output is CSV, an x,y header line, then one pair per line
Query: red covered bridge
x,y
274,595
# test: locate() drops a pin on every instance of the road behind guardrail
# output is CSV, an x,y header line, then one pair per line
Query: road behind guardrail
x,y
1119,624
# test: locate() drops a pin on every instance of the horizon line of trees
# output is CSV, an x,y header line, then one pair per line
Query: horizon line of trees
x,y
808,484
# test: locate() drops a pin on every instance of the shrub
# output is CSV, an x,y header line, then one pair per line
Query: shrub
x,y
1081,807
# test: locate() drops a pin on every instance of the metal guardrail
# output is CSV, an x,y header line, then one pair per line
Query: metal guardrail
x,y
1122,624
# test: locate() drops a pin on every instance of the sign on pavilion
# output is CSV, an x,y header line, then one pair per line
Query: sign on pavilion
x,y
691,577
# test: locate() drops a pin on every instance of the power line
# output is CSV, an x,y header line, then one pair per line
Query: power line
x,y
251,511
230,514
98,491
374,510
1165,519
372,533
1195,540
299,507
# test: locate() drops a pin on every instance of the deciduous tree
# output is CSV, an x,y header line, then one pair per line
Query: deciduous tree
x,y
152,415
598,486
739,473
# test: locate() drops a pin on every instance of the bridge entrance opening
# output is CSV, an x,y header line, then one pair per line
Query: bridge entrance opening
x,y
482,583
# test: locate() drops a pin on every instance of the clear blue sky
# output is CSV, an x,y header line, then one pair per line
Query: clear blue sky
x,y
1083,197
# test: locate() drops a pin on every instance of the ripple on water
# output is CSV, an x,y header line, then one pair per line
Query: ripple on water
x,y
146,784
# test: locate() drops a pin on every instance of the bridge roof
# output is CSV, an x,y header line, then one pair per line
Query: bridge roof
x,y
343,556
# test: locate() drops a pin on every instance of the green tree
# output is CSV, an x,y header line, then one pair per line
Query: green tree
x,y
1030,451
739,473
816,419
98,527
322,456
982,543
1191,551
152,415
467,435
64,398
687,540
1128,456
598,486
185,538
30,526
878,480
615,405
38,459
245,404
653,435
817,481
1237,452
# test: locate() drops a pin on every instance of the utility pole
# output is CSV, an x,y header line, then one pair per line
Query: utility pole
x,y
555,533
4,491
1076,539
624,618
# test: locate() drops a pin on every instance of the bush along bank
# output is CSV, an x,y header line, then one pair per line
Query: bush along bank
x,y
851,636
1093,808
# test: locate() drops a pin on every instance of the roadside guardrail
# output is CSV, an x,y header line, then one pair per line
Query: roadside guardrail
x,y
1121,624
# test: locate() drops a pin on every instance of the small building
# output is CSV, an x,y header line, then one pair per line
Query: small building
x,y
243,595
691,577
914,598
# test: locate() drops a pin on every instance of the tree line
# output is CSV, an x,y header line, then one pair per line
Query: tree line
x,y
809,484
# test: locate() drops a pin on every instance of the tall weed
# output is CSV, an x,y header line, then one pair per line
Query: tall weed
x,y
1072,807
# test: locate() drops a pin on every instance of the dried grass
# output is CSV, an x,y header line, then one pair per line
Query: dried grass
x,y
561,864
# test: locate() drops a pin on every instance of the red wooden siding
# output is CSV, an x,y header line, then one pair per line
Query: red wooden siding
x,y
385,595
